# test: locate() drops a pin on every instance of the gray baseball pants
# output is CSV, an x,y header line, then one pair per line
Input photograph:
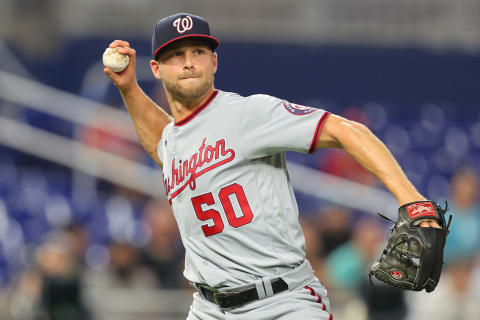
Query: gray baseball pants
x,y
306,299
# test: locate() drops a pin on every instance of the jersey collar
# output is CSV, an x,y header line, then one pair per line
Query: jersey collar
x,y
197,110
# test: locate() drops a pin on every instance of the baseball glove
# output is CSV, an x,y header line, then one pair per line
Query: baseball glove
x,y
413,257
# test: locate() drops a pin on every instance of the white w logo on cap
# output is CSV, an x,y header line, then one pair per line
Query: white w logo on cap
x,y
183,24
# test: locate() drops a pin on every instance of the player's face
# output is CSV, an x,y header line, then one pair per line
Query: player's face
x,y
186,69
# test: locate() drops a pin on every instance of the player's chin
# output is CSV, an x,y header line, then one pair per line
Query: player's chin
x,y
190,85
194,89
193,84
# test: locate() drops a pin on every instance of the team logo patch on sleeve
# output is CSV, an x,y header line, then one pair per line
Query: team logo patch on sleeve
x,y
297,109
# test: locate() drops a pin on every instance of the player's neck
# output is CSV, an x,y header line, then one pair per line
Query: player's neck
x,y
181,108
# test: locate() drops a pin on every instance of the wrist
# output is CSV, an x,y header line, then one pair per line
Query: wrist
x,y
415,197
129,89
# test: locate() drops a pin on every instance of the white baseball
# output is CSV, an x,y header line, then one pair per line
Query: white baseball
x,y
115,60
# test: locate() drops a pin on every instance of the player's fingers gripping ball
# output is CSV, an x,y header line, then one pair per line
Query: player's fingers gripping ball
x,y
413,257
115,60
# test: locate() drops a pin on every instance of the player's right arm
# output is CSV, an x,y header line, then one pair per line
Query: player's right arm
x,y
148,118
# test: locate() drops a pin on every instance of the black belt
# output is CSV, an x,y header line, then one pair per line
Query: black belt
x,y
226,300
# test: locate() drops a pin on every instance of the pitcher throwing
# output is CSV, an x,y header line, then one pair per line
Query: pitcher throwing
x,y
225,176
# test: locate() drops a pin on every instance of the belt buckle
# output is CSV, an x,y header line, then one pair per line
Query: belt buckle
x,y
226,300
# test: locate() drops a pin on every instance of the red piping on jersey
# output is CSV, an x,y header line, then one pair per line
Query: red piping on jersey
x,y
313,145
319,300
197,110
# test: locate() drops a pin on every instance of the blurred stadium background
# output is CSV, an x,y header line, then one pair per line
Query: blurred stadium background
x,y
84,229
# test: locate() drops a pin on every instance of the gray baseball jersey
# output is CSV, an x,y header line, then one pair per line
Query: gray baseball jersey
x,y
226,179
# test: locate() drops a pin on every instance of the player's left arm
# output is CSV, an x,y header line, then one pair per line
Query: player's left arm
x,y
356,139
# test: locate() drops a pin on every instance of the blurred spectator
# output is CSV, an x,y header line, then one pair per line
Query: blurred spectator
x,y
123,272
164,253
111,291
464,238
61,293
348,264
23,298
454,298
457,284
335,227
347,269
385,302
78,238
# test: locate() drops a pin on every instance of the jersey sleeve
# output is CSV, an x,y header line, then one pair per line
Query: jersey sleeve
x,y
269,125
162,145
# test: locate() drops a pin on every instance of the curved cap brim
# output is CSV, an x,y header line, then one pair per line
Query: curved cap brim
x,y
212,42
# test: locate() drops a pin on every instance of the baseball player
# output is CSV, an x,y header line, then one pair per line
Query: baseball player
x,y
225,177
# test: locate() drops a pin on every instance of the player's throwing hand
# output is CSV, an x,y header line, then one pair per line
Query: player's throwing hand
x,y
125,79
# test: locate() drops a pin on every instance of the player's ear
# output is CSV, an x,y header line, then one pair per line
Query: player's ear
x,y
155,69
215,62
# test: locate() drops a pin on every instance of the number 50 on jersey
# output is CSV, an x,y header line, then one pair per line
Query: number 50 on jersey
x,y
201,203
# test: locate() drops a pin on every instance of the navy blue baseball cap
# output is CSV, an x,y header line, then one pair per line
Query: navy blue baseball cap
x,y
180,26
